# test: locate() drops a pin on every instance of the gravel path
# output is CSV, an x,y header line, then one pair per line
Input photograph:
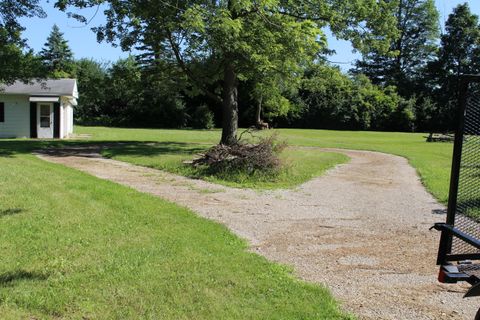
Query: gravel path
x,y
361,229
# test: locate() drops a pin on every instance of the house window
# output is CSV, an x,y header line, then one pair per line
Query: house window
x,y
2,112
44,116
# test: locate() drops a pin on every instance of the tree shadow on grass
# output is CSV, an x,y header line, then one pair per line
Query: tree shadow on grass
x,y
469,206
9,278
10,212
6,153
11,148
153,148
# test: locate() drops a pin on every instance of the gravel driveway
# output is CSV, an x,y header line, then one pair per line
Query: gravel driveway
x,y
361,229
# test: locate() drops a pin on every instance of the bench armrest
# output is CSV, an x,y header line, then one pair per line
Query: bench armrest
x,y
457,233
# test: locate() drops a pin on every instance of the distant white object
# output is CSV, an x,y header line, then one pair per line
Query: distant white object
x,y
38,109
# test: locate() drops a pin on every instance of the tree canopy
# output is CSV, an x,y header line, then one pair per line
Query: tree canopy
x,y
16,61
239,38
459,54
202,63
57,55
408,53
460,45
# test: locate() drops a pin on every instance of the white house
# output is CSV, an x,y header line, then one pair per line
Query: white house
x,y
40,109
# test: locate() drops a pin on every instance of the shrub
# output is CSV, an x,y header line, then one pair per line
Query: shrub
x,y
202,118
168,113
403,118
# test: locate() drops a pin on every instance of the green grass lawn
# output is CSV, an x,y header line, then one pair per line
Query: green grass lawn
x,y
431,160
77,247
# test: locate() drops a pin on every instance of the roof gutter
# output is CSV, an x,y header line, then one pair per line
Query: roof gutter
x,y
44,99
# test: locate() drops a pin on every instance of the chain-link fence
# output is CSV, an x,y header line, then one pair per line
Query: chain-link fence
x,y
464,211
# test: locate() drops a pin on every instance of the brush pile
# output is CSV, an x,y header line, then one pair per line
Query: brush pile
x,y
243,157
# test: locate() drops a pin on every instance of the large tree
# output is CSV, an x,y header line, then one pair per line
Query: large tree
x,y
239,38
92,81
459,54
57,55
16,60
403,64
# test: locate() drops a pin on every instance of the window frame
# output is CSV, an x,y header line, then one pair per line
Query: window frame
x,y
45,116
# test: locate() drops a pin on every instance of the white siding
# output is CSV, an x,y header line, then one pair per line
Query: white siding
x,y
66,118
62,121
17,117
69,119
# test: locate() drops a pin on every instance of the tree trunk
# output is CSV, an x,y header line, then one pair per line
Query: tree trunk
x,y
230,106
259,111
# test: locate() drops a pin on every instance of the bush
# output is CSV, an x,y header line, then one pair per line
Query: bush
x,y
203,118
330,99
167,112
243,157
403,118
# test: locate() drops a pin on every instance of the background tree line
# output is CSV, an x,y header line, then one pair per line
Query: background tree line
x,y
406,82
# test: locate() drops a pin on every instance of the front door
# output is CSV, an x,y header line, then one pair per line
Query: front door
x,y
45,120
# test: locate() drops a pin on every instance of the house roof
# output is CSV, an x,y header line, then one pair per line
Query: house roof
x,y
60,87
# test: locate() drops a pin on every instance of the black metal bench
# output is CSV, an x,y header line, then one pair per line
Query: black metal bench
x,y
459,250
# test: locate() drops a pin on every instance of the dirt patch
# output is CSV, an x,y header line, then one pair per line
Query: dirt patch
x,y
361,229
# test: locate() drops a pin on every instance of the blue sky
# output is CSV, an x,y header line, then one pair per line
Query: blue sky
x,y
83,41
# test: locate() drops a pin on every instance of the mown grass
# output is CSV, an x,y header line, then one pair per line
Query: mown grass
x,y
77,247
431,160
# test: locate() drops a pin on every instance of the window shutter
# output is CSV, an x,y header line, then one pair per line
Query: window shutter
x,y
56,120
33,119
2,112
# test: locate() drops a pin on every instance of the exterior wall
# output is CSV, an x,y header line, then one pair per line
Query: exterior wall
x,y
17,117
66,124
62,121
69,119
